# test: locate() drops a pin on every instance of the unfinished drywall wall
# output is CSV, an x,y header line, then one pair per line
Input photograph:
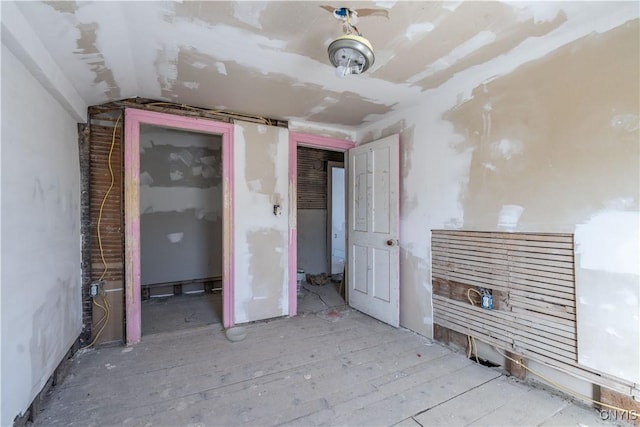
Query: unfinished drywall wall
x,y
261,156
180,205
312,241
41,295
544,142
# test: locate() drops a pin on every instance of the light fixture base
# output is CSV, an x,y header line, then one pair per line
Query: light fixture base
x,y
352,52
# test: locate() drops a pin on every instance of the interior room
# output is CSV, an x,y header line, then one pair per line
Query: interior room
x,y
180,229
176,250
321,238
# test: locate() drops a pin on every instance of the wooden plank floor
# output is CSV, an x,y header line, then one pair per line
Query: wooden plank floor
x,y
315,369
185,311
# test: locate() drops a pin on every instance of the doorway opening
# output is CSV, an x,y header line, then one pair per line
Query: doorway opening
x,y
135,120
180,229
320,251
318,255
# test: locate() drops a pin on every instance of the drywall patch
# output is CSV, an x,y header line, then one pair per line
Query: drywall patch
x,y
509,217
222,69
478,41
175,237
625,122
266,266
607,309
415,292
418,30
260,160
180,199
249,12
386,4
191,85
609,242
176,175
451,5
349,109
537,10
146,178
507,148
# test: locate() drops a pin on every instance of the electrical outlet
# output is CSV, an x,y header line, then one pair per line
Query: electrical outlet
x,y
95,288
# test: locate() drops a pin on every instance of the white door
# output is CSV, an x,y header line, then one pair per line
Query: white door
x,y
373,205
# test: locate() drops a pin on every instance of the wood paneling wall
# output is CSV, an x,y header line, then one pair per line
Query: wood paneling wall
x,y
312,176
531,276
111,223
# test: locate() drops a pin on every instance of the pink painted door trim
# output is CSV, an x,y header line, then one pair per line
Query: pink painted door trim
x,y
133,119
305,140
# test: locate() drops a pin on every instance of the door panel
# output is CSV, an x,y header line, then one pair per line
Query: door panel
x,y
380,196
381,273
359,170
374,228
360,263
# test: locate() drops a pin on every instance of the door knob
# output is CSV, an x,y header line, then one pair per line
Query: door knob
x,y
391,242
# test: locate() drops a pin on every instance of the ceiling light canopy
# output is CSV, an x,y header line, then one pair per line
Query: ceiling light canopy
x,y
350,53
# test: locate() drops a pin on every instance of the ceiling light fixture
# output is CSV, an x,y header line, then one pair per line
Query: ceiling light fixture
x,y
350,53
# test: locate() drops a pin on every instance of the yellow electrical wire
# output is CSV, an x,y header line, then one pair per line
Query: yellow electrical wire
x,y
471,339
555,384
106,308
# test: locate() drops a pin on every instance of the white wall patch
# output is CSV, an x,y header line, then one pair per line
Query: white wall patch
x,y
609,242
175,237
222,69
249,12
509,217
626,122
416,30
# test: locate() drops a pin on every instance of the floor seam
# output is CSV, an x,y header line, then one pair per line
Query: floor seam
x,y
562,408
416,421
457,395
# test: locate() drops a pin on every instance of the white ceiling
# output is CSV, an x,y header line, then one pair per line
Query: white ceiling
x,y
269,58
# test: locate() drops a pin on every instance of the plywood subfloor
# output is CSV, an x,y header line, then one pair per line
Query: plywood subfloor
x,y
315,369
178,312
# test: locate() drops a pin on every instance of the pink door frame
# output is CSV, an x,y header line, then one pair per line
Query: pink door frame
x,y
297,139
133,119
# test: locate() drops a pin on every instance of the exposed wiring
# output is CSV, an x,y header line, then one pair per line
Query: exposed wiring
x,y
106,308
206,110
556,384
472,344
107,312
348,27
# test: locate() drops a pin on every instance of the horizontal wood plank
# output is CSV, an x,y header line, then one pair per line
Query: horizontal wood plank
x,y
533,280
